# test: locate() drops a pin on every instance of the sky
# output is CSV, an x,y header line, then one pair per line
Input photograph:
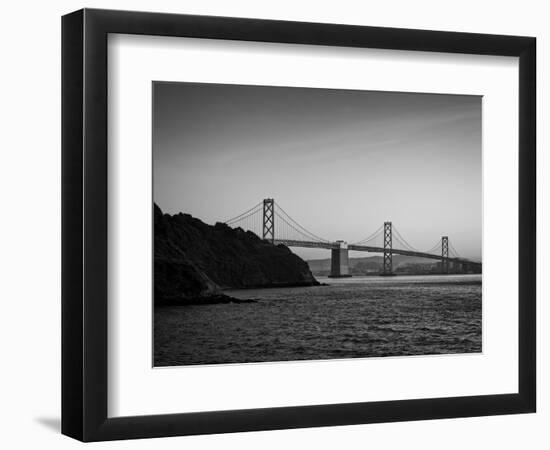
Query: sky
x,y
340,162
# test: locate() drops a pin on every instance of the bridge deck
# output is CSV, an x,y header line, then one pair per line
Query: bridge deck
x,y
371,249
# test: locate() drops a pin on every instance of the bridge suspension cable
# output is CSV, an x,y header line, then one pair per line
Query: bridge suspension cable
x,y
287,231
436,246
256,208
285,217
402,240
249,220
371,236
453,251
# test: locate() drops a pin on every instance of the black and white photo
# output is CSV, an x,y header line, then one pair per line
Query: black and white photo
x,y
311,224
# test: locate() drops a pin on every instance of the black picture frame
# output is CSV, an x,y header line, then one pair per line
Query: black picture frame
x,y
84,224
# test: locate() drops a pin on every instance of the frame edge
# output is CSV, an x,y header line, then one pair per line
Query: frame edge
x,y
527,207
72,252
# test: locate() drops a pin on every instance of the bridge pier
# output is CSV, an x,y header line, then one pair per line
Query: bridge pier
x,y
339,261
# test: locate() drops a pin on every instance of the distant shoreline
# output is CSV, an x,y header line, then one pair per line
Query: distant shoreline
x,y
398,274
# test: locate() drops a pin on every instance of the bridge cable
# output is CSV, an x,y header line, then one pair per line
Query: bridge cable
x,y
304,230
402,246
370,237
301,233
437,246
454,250
404,241
240,216
241,219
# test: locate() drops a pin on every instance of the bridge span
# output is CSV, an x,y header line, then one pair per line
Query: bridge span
x,y
275,225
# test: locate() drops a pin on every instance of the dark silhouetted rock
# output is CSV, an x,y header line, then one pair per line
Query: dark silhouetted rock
x,y
195,261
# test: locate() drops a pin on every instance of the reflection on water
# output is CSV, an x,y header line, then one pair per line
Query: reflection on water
x,y
351,318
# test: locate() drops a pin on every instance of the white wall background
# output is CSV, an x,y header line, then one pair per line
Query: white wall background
x,y
30,225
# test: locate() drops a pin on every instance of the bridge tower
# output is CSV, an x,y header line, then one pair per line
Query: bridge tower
x,y
388,263
445,254
268,228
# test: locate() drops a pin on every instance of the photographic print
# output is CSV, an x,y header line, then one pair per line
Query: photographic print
x,y
314,224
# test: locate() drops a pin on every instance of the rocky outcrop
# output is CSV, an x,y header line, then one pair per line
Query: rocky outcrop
x,y
194,262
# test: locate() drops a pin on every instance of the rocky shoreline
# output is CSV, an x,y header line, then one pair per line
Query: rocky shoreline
x,y
214,299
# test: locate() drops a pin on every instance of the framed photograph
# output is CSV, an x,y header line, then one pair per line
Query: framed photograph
x,y
273,224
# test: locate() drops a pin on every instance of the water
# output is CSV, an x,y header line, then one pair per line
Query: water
x,y
351,318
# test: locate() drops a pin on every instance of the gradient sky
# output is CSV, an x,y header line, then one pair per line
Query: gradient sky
x,y
340,162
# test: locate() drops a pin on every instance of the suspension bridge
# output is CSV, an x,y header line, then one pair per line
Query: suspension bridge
x,y
270,222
